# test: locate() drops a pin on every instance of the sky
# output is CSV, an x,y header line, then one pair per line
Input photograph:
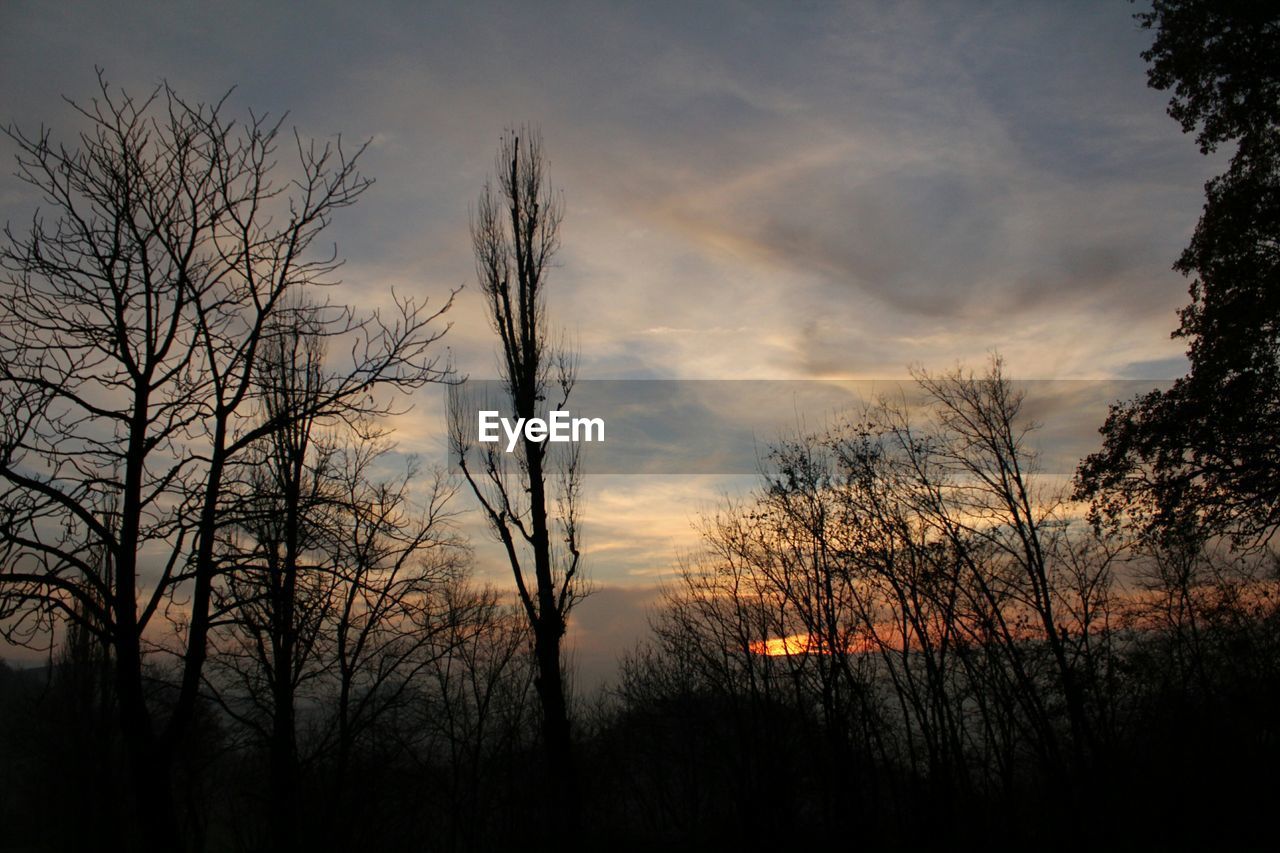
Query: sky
x,y
765,191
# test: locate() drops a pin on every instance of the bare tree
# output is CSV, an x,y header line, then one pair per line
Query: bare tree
x,y
334,575
131,326
398,562
534,513
274,594
911,562
476,713
996,497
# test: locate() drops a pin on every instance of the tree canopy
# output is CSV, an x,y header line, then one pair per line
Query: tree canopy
x,y
1203,452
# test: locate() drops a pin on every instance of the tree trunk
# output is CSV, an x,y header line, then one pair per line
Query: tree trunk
x,y
153,821
548,632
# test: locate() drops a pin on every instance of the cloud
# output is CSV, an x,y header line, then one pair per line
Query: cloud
x,y
610,622
753,192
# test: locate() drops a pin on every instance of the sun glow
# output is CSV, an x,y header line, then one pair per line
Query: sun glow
x,y
796,644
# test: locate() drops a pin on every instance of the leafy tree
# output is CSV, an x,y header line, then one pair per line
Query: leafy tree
x,y
1203,455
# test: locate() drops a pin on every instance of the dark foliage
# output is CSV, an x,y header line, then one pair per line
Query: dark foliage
x,y
1204,452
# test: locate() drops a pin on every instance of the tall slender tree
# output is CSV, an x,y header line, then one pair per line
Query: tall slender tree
x,y
534,514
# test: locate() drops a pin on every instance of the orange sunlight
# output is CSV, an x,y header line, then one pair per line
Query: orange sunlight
x,y
796,644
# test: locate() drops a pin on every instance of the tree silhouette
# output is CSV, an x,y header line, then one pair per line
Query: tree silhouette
x,y
132,323
1202,455
334,577
515,234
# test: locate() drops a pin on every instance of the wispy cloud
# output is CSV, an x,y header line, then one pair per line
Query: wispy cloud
x,y
754,190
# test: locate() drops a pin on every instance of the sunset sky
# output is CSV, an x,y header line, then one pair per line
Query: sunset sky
x,y
753,190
